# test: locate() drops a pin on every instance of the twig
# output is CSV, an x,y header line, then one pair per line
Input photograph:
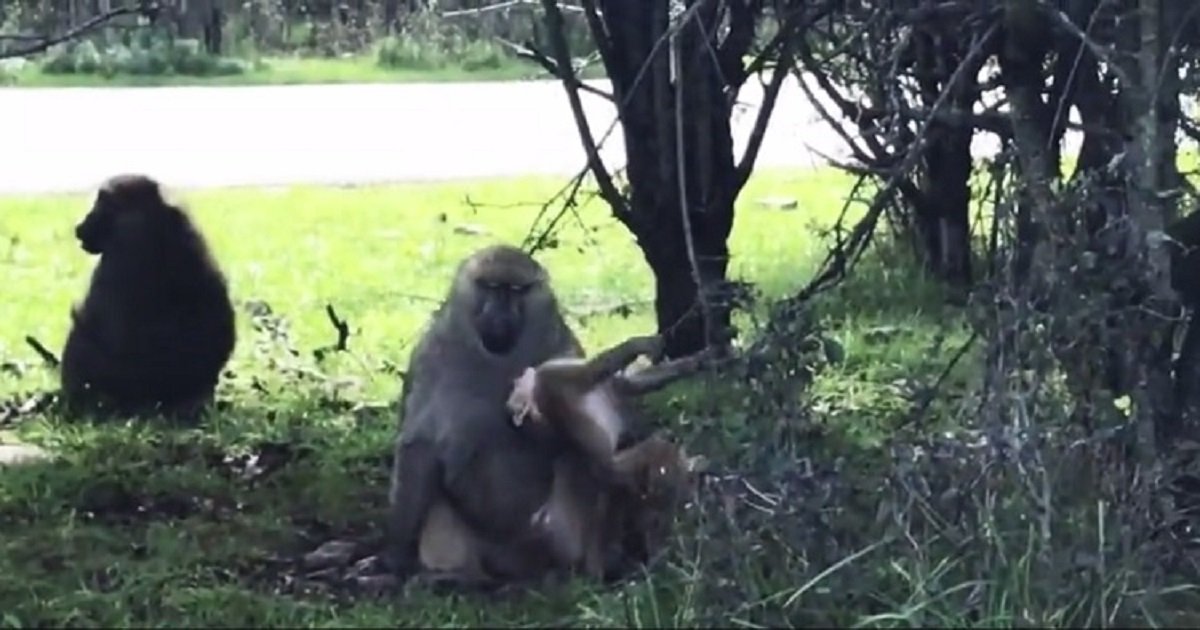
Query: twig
x,y
144,8
834,267
620,308
789,30
554,24
46,355
500,7
530,52
343,329
343,335
569,191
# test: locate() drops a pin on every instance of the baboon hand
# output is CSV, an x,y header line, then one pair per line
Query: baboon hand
x,y
520,399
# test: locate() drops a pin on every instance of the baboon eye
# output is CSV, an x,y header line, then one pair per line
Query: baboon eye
x,y
504,287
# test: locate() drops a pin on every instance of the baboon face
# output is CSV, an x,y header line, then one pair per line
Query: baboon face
x,y
126,206
500,314
666,477
506,290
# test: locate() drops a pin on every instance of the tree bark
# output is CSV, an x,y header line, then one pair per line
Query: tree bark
x,y
683,180
943,206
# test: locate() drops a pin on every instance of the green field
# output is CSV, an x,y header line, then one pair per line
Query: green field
x,y
140,524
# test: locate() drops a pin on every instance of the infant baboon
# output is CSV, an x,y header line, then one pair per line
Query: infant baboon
x,y
624,524
156,326
561,397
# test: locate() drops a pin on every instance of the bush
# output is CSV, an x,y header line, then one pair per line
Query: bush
x,y
145,54
429,44
482,55
59,60
87,58
402,51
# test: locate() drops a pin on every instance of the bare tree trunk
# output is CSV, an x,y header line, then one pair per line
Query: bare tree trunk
x,y
214,22
1158,417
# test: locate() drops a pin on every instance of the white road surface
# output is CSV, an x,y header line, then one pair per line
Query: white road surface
x,y
69,139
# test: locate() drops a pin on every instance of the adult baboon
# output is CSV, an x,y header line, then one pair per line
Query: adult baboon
x,y
466,483
457,449
156,325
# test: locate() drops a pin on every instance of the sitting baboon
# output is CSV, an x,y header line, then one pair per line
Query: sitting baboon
x,y
460,466
156,325
464,478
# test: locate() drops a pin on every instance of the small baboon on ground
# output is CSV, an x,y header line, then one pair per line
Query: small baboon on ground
x,y
562,400
156,326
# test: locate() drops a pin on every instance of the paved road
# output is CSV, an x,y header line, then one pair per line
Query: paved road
x,y
71,138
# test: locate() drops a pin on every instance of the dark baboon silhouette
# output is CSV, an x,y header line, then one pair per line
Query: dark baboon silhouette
x,y
156,326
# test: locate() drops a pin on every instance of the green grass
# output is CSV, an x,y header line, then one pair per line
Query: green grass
x,y
142,524
75,549
285,71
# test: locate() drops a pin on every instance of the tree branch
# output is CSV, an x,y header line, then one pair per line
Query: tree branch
x,y
759,131
554,24
531,53
148,9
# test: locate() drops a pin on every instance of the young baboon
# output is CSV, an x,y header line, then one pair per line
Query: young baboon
x,y
562,395
632,517
562,398
156,325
